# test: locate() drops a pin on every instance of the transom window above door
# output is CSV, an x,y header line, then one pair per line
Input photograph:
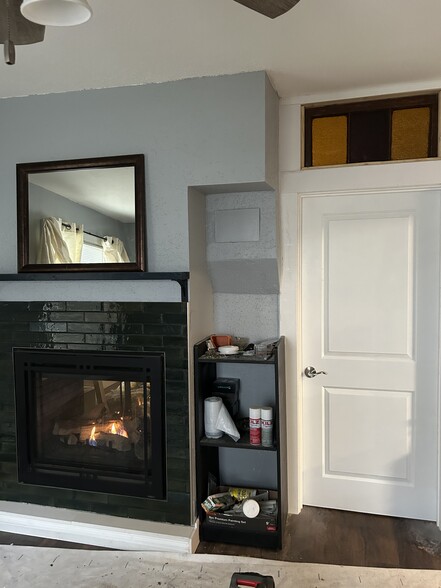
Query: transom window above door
x,y
393,129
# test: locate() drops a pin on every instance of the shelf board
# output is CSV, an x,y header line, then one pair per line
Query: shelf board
x,y
86,275
243,443
180,277
269,359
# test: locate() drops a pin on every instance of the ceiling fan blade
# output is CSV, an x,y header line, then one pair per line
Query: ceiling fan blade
x,y
271,8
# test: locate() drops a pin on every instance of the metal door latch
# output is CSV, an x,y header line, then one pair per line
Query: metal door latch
x,y
310,372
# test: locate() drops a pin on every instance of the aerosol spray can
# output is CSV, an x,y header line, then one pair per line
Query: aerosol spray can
x,y
266,419
255,430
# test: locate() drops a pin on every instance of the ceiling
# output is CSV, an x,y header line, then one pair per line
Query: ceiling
x,y
110,191
320,46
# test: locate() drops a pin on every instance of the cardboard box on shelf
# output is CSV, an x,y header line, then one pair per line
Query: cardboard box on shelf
x,y
262,523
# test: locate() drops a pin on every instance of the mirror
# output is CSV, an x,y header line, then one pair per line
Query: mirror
x,y
82,215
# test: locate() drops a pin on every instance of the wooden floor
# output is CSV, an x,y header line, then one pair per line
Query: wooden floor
x,y
320,535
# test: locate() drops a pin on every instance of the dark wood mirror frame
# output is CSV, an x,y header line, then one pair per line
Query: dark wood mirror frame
x,y
23,171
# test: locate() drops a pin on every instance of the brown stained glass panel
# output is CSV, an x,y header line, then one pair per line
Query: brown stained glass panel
x,y
387,129
410,133
369,136
329,140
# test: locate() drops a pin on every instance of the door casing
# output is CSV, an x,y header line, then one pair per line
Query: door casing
x,y
299,356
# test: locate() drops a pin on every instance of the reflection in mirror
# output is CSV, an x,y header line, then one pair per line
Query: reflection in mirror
x,y
82,215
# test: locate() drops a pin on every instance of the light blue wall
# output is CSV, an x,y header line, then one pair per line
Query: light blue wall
x,y
205,131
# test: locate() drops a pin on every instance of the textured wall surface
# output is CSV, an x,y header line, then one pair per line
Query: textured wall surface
x,y
101,326
204,131
255,316
196,132
244,274
264,248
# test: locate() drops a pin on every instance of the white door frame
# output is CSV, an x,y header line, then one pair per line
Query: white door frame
x,y
295,186
300,361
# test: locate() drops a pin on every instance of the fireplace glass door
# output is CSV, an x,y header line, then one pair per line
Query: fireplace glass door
x,y
91,421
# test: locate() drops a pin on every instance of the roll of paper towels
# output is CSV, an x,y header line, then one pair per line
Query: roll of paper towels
x,y
212,407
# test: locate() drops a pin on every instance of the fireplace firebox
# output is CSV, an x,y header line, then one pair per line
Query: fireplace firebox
x,y
91,420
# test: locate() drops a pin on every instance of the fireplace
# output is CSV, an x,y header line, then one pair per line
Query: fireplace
x,y
91,420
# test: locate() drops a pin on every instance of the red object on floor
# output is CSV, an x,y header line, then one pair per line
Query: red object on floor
x,y
251,580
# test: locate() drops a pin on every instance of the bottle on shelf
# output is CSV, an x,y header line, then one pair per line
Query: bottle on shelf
x,y
266,420
255,428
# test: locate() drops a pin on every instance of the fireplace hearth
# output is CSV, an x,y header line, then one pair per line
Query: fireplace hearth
x,y
91,420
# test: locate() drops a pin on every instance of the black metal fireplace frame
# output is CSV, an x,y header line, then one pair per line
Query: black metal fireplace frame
x,y
138,366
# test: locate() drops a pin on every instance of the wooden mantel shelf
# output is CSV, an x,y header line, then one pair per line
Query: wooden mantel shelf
x,y
180,277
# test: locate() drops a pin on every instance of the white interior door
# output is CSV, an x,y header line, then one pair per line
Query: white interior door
x,y
370,305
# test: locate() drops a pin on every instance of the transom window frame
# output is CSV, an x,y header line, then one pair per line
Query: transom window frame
x,y
311,112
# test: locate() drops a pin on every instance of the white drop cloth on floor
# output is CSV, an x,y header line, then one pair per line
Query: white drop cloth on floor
x,y
38,567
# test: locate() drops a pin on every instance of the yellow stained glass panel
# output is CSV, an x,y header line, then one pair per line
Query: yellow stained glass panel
x,y
329,140
410,133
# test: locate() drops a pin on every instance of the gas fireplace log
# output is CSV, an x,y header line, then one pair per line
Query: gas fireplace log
x,y
85,431
72,440
133,426
109,440
113,441
114,434
66,428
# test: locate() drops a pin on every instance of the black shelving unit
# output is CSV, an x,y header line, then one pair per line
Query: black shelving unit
x,y
213,454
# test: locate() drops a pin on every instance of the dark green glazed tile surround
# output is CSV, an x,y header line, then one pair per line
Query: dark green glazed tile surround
x,y
133,326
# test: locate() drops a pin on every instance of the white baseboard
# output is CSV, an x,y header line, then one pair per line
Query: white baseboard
x,y
95,529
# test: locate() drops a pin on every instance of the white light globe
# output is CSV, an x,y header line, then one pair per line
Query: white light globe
x,y
58,13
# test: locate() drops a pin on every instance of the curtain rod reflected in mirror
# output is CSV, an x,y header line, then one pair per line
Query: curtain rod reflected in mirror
x,y
82,215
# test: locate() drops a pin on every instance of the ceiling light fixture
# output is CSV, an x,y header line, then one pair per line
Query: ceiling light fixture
x,y
58,13
22,21
16,30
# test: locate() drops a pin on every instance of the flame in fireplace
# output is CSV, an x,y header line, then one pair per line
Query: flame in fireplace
x,y
118,429
92,439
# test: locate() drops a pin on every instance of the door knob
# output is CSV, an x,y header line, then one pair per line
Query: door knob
x,y
311,373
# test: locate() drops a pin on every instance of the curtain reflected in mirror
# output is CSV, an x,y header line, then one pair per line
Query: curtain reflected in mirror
x,y
82,215
59,242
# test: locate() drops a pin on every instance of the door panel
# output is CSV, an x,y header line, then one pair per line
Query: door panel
x,y
370,315
375,317
374,414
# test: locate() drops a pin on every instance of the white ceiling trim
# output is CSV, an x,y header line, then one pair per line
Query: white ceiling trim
x,y
371,92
